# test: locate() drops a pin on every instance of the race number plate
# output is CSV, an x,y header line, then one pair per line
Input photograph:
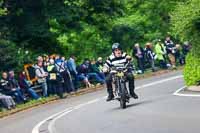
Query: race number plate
x,y
120,74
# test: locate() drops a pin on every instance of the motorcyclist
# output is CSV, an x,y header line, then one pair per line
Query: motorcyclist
x,y
118,58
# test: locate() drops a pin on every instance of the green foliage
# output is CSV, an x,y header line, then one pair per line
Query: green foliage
x,y
8,54
3,11
192,70
143,21
13,57
185,24
85,44
86,28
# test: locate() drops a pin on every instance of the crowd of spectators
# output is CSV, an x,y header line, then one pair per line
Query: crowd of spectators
x,y
56,75
163,55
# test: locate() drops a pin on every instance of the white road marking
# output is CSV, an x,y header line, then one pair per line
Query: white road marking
x,y
159,82
58,115
51,127
176,93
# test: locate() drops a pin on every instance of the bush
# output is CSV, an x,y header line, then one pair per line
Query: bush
x,y
192,70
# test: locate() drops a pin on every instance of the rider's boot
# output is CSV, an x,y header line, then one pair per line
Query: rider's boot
x,y
109,90
134,95
110,97
132,87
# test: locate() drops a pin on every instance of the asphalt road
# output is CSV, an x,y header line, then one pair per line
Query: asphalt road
x,y
156,111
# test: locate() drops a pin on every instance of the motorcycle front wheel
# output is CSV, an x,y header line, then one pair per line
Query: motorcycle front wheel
x,y
123,96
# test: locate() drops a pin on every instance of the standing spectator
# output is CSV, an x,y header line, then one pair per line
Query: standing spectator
x,y
55,80
168,41
72,69
161,52
179,55
26,86
150,55
10,89
171,50
186,49
64,72
41,75
45,62
138,53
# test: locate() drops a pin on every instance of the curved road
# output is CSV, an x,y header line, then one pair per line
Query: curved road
x,y
156,111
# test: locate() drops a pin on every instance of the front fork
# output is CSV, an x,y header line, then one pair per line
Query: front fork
x,y
117,86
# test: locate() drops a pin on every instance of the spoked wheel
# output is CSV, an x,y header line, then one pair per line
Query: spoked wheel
x,y
123,103
123,98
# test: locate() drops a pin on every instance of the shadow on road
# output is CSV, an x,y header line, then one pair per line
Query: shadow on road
x,y
139,103
133,105
149,100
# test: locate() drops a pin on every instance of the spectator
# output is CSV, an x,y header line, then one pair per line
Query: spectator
x,y
179,55
82,77
26,86
41,75
86,71
11,88
45,62
14,84
171,51
7,101
94,69
186,49
72,69
65,74
55,80
168,41
138,53
161,52
100,64
150,55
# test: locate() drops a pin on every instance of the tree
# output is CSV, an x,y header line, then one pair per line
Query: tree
x,y
185,24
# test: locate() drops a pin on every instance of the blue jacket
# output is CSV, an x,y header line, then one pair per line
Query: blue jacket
x,y
71,65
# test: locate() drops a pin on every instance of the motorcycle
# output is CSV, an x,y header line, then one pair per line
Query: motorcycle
x,y
120,89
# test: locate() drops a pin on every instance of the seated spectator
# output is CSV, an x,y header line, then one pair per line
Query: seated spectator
x,y
138,53
85,70
11,88
54,80
150,55
82,77
27,86
7,101
94,69
41,75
